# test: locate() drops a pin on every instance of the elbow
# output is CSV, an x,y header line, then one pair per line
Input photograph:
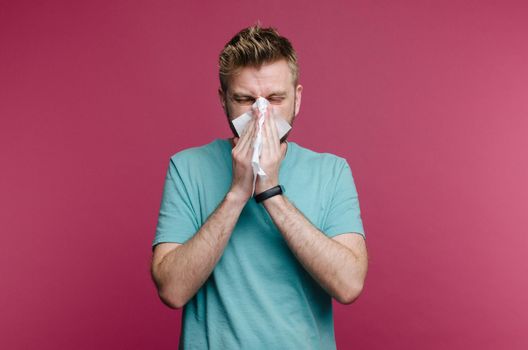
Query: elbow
x,y
350,295
171,299
168,294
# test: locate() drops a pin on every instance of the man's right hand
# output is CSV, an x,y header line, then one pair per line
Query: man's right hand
x,y
242,184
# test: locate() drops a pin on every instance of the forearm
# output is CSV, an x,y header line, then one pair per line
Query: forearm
x,y
332,265
185,269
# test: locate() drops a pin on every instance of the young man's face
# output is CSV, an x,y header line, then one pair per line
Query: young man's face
x,y
273,81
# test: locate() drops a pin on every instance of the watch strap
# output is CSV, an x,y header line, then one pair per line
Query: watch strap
x,y
269,193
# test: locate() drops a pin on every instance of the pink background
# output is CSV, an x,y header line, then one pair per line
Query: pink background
x,y
426,100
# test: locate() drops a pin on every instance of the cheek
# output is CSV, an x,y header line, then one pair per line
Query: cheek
x,y
284,109
236,111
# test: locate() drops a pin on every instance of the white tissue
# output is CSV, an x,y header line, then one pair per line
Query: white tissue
x,y
240,124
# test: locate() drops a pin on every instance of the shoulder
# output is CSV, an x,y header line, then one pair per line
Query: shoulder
x,y
322,160
198,154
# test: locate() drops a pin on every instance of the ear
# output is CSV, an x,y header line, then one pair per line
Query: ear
x,y
221,96
298,95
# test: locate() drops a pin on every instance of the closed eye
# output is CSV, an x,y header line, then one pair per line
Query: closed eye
x,y
245,100
276,99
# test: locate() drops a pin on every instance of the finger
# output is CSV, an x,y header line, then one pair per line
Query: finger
x,y
254,133
248,129
274,131
266,142
283,148
243,137
247,144
264,145
272,148
257,118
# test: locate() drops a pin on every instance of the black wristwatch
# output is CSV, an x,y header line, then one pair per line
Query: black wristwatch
x,y
269,193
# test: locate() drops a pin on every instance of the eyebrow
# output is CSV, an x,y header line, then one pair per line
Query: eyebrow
x,y
274,93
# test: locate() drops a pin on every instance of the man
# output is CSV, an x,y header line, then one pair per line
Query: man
x,y
258,275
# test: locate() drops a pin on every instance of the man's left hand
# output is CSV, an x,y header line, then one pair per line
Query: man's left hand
x,y
272,153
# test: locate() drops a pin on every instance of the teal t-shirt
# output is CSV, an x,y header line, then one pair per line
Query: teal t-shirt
x,y
258,296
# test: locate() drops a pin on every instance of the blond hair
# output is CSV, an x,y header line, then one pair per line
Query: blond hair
x,y
254,46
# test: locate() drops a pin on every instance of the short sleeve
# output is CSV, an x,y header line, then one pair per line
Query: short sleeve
x,y
177,221
344,214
